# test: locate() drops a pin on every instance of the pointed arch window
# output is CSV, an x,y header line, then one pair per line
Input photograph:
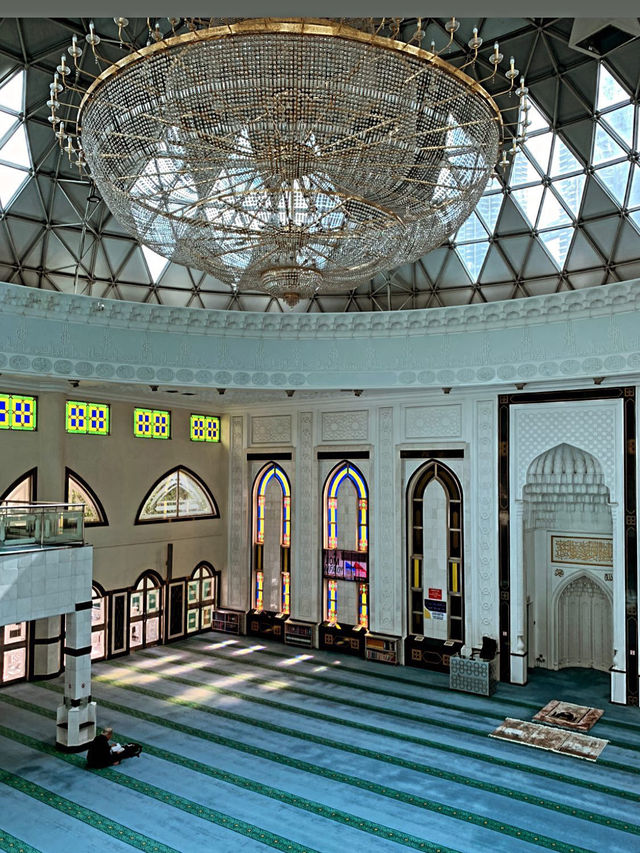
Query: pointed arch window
x,y
202,597
77,491
145,611
345,566
271,549
22,490
434,535
179,495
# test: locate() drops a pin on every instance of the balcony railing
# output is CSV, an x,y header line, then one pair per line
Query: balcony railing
x,y
40,525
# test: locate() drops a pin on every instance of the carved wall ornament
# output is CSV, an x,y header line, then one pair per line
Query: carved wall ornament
x,y
582,550
345,426
271,429
433,421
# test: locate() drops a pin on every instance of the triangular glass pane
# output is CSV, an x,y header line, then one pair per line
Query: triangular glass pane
x,y
6,122
22,492
538,122
614,180
15,150
155,262
552,212
621,121
610,92
605,148
163,500
523,171
473,255
193,500
570,189
472,229
563,162
529,201
10,182
635,216
11,93
78,494
488,208
634,195
557,243
540,148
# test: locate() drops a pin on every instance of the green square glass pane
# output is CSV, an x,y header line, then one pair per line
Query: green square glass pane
x,y
23,413
197,429
142,423
213,429
160,424
76,418
5,411
98,418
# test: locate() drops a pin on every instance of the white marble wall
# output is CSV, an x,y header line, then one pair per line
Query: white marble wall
x,y
45,582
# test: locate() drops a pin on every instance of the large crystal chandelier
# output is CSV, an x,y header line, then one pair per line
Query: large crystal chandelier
x,y
290,156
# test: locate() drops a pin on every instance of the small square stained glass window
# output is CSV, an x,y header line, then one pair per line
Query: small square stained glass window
x,y
98,418
5,411
23,413
87,418
151,423
205,428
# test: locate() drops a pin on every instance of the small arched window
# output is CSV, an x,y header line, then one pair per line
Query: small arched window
x,y
77,491
346,546
145,612
202,597
272,540
179,495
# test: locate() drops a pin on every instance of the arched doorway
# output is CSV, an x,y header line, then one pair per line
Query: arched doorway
x,y
585,628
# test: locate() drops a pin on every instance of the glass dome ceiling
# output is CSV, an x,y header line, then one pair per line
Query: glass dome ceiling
x,y
564,215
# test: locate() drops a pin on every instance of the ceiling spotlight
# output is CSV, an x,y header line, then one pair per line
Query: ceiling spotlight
x,y
357,391
290,393
93,195
598,380
520,385
221,391
153,387
74,383
446,390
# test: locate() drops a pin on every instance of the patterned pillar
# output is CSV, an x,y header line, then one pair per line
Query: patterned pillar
x,y
239,566
482,580
518,662
76,717
387,588
305,581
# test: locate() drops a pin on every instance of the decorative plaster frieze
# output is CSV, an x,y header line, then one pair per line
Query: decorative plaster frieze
x,y
271,429
345,426
387,582
562,336
304,586
433,421
592,427
238,574
484,534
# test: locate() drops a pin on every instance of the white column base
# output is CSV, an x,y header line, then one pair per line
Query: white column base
x,y
618,686
519,669
75,727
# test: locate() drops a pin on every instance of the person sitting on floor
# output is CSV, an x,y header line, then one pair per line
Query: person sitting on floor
x,y
102,753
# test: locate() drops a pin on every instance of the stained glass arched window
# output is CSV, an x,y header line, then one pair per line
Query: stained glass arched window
x,y
435,552
346,546
272,540
179,495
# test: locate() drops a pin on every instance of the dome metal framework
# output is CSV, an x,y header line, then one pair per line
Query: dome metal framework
x,y
289,156
564,215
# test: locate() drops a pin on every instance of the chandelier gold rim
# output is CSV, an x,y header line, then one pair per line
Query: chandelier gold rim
x,y
295,26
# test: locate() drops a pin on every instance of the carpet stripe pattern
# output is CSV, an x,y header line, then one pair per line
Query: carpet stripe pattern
x,y
378,760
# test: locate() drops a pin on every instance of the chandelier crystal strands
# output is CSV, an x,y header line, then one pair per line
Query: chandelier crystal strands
x,y
289,156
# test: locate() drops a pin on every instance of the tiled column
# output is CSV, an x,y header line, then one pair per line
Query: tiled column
x,y
76,717
47,647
